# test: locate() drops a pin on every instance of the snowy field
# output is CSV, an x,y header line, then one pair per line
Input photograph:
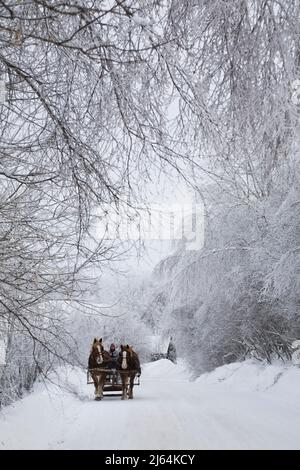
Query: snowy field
x,y
239,406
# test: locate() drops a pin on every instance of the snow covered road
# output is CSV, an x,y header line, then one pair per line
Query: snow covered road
x,y
239,406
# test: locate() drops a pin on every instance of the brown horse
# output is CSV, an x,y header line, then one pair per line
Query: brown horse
x,y
129,367
98,362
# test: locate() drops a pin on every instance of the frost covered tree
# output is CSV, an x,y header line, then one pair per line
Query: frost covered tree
x,y
85,122
82,119
239,296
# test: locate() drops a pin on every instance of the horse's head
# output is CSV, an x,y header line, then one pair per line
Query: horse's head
x,y
97,350
127,355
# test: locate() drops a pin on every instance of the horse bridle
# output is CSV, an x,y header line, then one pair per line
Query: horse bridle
x,y
99,358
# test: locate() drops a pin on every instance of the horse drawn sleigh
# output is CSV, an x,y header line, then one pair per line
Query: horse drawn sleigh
x,y
113,377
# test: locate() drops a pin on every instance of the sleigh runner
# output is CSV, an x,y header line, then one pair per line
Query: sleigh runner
x,y
113,380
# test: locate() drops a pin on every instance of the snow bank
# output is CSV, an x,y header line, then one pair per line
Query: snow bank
x,y
238,406
254,376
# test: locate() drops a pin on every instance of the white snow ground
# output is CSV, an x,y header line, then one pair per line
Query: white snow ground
x,y
238,406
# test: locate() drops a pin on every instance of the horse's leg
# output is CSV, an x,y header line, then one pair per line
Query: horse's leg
x,y
98,388
130,391
101,383
124,387
94,377
127,385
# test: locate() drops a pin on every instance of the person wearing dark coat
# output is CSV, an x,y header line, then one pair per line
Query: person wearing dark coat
x,y
114,356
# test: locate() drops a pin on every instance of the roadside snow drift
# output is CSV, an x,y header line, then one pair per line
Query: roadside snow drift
x,y
238,406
